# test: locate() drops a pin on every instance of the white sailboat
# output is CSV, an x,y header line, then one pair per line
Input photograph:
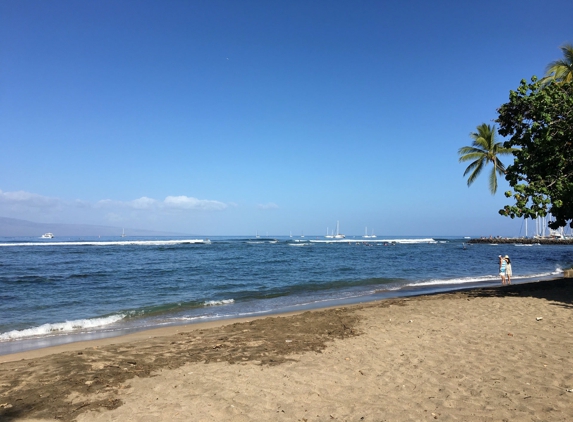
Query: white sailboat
x,y
338,235
368,236
122,232
329,236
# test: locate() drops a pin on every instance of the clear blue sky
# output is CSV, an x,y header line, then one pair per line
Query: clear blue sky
x,y
232,117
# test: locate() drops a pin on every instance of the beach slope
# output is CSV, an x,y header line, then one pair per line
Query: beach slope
x,y
481,355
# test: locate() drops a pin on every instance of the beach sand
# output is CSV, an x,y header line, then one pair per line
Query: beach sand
x,y
494,354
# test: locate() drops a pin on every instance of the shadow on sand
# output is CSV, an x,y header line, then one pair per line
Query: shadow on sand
x,y
559,291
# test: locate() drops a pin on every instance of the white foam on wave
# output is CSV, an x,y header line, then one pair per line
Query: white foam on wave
x,y
461,280
60,327
402,241
116,243
482,279
219,302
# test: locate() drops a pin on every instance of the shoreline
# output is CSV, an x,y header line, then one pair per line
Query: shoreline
x,y
175,329
41,346
483,354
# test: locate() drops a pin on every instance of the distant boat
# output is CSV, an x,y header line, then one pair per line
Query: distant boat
x,y
367,236
123,233
338,235
329,236
47,236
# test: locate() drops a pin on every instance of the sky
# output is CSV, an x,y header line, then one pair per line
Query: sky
x,y
269,117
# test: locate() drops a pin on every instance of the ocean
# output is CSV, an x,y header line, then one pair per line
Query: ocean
x,y
55,291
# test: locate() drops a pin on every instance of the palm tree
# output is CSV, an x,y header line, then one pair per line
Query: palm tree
x,y
560,70
484,150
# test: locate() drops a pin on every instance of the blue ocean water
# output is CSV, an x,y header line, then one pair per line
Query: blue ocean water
x,y
60,290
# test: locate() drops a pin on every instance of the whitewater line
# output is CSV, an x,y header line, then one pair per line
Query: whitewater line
x,y
117,243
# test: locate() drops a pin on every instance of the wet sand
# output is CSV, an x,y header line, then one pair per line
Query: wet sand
x,y
489,354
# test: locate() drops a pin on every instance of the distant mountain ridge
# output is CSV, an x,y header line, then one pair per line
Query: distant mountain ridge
x,y
13,227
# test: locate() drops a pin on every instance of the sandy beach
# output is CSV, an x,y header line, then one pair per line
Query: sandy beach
x,y
495,354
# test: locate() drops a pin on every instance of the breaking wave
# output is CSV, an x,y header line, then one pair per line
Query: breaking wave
x,y
219,302
60,327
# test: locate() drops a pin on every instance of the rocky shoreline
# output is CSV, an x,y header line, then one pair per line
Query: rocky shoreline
x,y
522,240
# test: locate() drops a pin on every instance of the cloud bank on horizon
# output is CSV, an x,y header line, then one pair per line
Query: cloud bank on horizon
x,y
37,207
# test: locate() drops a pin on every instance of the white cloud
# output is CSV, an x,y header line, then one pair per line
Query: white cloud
x,y
15,203
190,203
269,206
169,203
30,200
103,203
143,203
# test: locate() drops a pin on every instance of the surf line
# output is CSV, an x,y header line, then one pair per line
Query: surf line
x,y
118,243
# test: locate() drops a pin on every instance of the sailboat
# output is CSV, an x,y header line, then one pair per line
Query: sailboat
x,y
338,235
123,233
367,236
329,236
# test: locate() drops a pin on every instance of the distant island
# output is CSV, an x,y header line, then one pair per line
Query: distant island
x,y
13,227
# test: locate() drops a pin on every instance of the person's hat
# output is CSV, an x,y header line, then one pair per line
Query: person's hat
x,y
506,256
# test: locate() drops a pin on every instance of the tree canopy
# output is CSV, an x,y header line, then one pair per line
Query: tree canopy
x,y
539,121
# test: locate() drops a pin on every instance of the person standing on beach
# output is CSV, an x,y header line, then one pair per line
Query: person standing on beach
x,y
502,268
508,269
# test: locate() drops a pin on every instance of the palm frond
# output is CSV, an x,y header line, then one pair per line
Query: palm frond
x,y
501,150
567,50
481,143
477,169
499,167
493,181
471,156
560,70
473,165
470,150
